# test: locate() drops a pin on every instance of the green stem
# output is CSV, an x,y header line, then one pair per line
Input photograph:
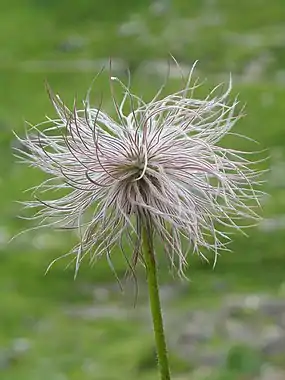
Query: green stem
x,y
148,252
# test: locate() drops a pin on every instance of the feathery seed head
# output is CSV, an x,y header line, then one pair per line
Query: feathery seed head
x,y
161,163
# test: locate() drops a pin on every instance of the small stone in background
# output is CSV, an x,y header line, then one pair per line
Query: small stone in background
x,y
12,354
72,43
212,358
269,372
160,7
238,331
273,341
272,307
21,346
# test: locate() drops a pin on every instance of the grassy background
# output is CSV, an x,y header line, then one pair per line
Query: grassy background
x,y
62,41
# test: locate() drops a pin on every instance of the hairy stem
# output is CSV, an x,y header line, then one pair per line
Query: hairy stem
x,y
153,290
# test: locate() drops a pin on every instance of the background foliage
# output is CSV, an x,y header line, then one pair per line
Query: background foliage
x,y
52,327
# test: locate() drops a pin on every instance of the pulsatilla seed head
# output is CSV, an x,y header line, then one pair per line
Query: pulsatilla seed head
x,y
161,162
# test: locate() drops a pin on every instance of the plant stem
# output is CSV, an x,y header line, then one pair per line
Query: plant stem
x,y
153,290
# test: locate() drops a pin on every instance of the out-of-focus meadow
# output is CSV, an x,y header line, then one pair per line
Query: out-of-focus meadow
x,y
227,323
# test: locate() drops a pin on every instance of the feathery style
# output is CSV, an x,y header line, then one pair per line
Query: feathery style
x,y
161,163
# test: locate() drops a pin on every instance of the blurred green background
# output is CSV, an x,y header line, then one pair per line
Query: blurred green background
x,y
227,323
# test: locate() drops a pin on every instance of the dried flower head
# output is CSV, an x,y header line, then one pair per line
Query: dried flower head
x,y
160,162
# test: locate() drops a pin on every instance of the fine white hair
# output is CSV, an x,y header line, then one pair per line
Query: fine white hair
x,y
162,161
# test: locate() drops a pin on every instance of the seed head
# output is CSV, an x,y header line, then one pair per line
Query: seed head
x,y
162,163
